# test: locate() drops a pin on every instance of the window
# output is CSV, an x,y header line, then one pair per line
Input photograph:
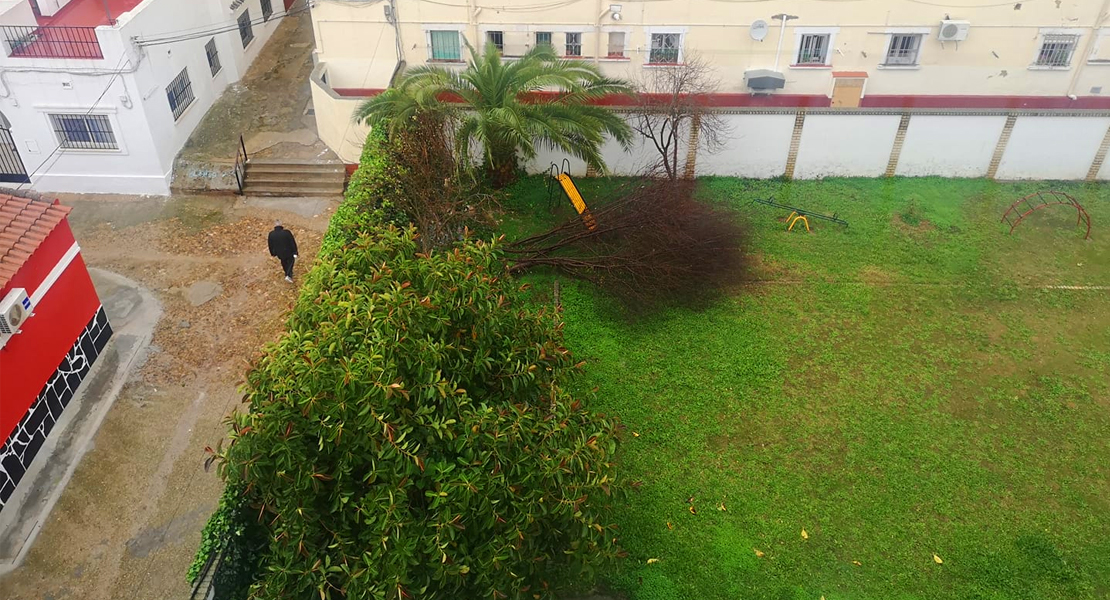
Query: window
x,y
267,10
445,45
904,48
543,37
574,44
497,38
665,48
813,49
84,132
213,56
1057,50
616,44
246,30
180,93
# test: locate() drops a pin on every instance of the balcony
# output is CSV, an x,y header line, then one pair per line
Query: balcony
x,y
69,33
51,42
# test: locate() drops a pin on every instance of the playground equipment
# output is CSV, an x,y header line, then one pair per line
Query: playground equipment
x,y
799,214
559,175
1037,201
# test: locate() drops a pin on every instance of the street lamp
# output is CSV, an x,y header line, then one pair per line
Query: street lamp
x,y
782,31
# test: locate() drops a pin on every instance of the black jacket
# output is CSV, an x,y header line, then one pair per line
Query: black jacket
x,y
282,243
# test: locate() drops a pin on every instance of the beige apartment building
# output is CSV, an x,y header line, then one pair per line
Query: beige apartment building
x,y
1001,65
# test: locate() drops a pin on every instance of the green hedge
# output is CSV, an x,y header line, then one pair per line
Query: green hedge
x,y
410,435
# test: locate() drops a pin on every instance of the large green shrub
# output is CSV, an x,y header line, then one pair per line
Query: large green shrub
x,y
410,436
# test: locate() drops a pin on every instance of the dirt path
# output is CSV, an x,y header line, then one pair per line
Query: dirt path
x,y
129,521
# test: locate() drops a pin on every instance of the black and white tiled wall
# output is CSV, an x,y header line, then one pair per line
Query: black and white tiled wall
x,y
28,437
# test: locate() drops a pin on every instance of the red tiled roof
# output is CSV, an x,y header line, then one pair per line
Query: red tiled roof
x,y
24,224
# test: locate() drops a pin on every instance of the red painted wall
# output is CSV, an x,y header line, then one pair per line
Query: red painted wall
x,y
30,358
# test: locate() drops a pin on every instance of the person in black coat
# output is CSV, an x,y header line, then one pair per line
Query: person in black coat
x,y
284,246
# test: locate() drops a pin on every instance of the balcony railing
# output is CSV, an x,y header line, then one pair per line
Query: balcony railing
x,y
51,42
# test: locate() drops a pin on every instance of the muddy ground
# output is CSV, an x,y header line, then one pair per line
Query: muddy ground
x,y
129,522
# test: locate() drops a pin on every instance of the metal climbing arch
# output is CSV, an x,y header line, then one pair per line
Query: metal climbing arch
x,y
1036,201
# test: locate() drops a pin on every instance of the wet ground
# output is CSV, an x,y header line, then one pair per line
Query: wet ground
x,y
129,521
271,107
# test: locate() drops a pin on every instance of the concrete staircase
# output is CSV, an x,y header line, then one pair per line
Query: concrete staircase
x,y
294,178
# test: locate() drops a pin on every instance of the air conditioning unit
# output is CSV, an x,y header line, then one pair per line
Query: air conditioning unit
x,y
15,308
953,31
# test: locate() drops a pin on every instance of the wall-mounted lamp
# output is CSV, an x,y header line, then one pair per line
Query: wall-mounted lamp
x,y
615,12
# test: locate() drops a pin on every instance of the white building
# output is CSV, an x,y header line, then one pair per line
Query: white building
x,y
100,95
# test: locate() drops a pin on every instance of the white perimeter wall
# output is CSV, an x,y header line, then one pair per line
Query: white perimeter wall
x,y
1052,147
845,145
756,146
949,146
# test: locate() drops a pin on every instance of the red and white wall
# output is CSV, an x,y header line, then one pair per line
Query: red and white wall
x,y
42,367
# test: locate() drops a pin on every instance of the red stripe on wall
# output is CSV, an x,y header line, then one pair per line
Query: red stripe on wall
x,y
730,100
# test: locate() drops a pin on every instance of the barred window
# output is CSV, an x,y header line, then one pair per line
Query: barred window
x,y
904,49
814,49
665,48
445,45
573,45
267,10
246,29
1057,50
616,44
213,56
543,37
497,38
180,93
84,132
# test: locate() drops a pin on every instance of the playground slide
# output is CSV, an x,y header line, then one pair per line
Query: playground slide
x,y
575,196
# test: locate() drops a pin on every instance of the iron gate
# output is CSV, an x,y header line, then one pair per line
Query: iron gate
x,y
11,166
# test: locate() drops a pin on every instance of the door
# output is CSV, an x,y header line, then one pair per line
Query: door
x,y
847,92
11,166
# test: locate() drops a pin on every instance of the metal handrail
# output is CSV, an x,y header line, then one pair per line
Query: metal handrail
x,y
241,159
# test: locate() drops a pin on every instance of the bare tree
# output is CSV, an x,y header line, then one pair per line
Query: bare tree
x,y
673,112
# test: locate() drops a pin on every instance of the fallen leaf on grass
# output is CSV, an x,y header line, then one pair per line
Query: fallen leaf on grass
x,y
937,560
693,510
758,553
634,434
857,563
652,561
721,507
805,536
670,525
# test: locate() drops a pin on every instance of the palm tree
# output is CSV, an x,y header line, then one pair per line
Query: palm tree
x,y
500,105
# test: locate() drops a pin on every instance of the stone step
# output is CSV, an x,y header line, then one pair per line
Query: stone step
x,y
291,191
275,167
296,179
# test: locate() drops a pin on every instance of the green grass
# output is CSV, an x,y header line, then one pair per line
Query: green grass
x,y
900,388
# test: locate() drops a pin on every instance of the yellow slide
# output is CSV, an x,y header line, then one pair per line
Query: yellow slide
x,y
572,192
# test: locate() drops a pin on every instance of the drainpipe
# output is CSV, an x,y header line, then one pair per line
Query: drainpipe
x,y
597,32
1100,18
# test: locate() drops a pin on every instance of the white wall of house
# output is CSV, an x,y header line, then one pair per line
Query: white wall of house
x,y
135,103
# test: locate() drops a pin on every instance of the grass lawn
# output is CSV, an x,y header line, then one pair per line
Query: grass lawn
x,y
899,389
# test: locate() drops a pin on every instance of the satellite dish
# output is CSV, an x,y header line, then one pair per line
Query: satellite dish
x,y
758,30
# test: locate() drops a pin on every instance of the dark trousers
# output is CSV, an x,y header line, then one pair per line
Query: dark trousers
x,y
287,266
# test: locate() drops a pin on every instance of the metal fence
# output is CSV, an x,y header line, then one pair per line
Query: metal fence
x,y
51,42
